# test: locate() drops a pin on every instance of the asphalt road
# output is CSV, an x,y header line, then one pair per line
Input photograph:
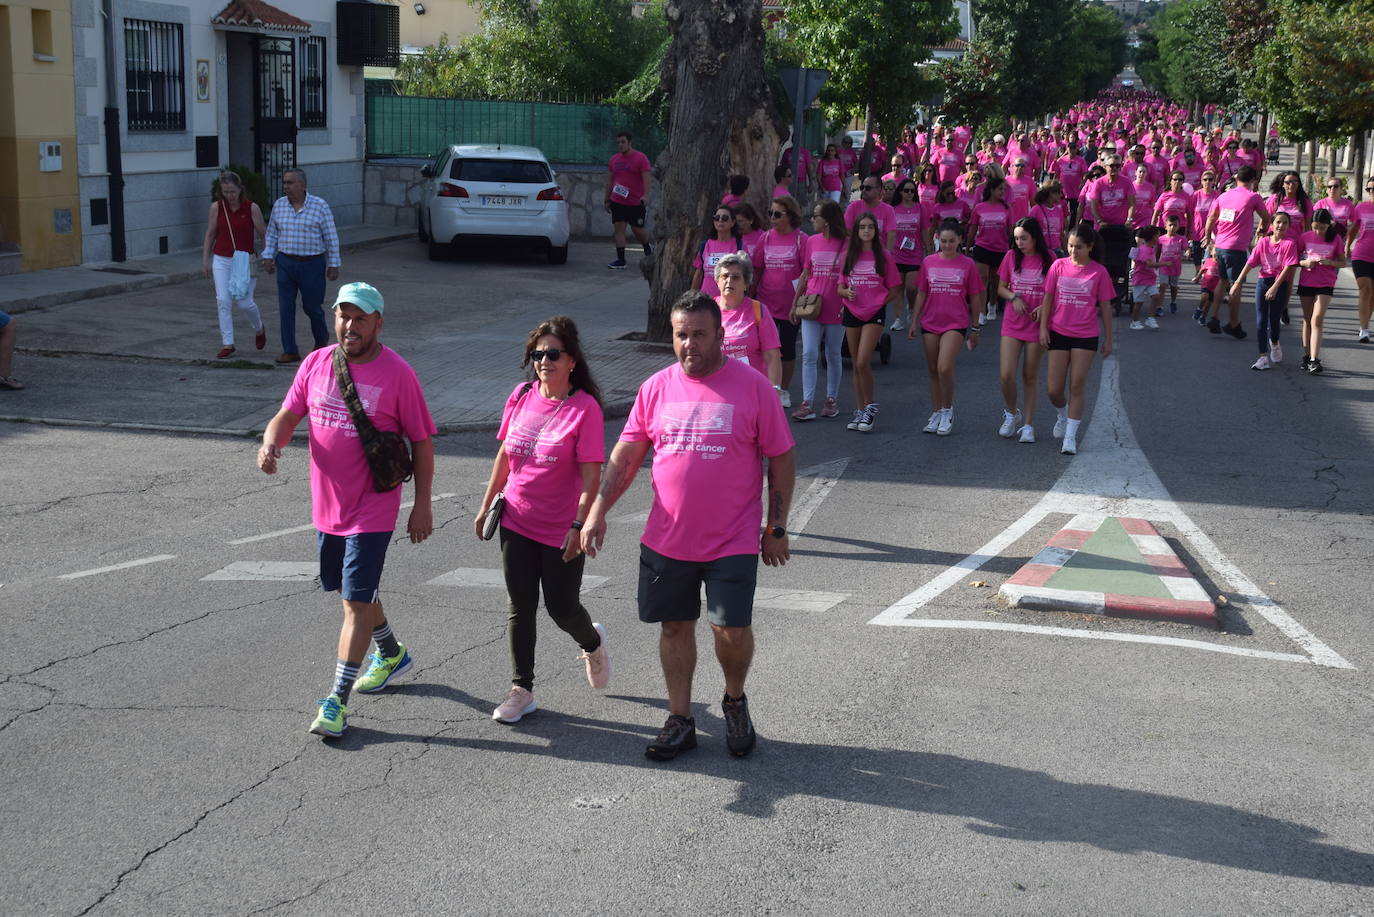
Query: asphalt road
x,y
153,717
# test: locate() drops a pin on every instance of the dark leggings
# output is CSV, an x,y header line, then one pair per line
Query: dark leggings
x,y
527,565
1269,312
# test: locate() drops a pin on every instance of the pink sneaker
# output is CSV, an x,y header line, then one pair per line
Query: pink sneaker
x,y
598,662
830,409
805,412
517,703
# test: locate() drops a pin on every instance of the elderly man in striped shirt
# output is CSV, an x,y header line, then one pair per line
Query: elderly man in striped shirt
x,y
302,249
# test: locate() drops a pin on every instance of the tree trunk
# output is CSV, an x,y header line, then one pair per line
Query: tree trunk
x,y
1297,156
722,122
1360,144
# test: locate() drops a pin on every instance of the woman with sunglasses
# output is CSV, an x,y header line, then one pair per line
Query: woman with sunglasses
x,y
927,186
779,259
1174,200
949,297
950,205
1203,199
990,227
913,241
1339,205
723,238
830,173
868,282
1360,243
548,466
1051,215
820,277
1322,253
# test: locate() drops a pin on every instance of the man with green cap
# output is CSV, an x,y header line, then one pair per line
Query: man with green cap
x,y
355,522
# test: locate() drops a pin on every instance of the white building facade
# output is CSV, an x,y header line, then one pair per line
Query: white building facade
x,y
200,85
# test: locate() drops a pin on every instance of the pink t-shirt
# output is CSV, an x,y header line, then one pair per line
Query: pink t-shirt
x,y
1073,294
831,171
954,210
708,436
1210,278
949,285
1272,257
927,194
990,225
1202,206
1143,272
708,257
1052,220
1297,215
1113,199
627,177
1144,204
849,159
779,263
1171,252
823,265
546,442
749,331
343,501
1362,218
1070,170
1235,218
910,221
947,161
870,287
1340,211
1174,202
882,212
1029,284
1020,194
781,191
1314,245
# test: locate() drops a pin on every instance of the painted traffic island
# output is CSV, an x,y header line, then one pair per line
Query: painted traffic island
x,y
1114,566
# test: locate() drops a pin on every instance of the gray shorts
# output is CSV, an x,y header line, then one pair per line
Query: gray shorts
x,y
670,590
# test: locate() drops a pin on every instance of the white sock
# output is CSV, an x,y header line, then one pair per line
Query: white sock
x,y
1071,428
1062,413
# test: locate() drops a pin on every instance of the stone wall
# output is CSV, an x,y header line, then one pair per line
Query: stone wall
x,y
392,189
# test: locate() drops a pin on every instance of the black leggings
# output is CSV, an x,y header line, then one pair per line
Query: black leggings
x,y
527,565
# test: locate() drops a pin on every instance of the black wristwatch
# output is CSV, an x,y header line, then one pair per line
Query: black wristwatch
x,y
777,531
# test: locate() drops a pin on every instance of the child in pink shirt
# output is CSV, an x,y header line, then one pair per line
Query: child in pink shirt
x,y
1276,256
1144,278
949,296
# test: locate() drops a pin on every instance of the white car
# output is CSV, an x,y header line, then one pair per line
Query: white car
x,y
494,192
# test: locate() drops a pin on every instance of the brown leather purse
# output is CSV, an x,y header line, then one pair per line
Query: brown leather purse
x,y
388,455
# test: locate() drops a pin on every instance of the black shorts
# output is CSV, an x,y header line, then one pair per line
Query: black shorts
x,y
628,213
1316,291
987,256
1064,342
787,339
849,320
907,268
1362,268
670,590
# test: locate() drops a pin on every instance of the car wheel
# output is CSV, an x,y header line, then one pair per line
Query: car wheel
x,y
420,225
558,254
438,251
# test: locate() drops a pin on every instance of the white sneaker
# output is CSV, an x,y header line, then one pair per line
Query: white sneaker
x,y
1151,323
598,662
1069,446
517,703
786,398
854,422
1060,424
933,424
1363,336
1010,423
1275,353
898,324
991,312
1261,363
946,422
1027,434
1137,326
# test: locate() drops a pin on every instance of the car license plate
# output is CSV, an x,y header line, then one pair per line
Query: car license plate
x,y
497,200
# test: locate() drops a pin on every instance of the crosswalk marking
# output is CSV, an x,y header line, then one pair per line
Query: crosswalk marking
x,y
265,570
485,578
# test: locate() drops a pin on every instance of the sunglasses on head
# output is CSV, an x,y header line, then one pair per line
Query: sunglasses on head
x,y
551,354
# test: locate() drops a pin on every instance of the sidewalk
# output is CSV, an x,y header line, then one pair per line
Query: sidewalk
x,y
39,289
143,357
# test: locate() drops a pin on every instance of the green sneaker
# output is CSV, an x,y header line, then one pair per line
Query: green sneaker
x,y
333,718
380,671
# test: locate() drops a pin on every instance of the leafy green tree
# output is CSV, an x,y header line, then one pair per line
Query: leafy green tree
x,y
1192,66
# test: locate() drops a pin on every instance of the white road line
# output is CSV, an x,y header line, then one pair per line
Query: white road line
x,y
487,578
827,475
261,570
310,528
1111,476
156,558
932,624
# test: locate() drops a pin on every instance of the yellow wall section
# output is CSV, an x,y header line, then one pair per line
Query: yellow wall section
x,y
37,103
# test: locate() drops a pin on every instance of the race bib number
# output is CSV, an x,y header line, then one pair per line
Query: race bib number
x,y
1226,215
907,244
620,191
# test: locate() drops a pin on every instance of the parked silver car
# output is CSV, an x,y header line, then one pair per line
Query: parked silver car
x,y
494,192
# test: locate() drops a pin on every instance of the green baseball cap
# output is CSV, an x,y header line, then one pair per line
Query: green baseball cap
x,y
363,295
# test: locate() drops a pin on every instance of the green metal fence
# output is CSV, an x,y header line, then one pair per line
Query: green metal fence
x,y
569,132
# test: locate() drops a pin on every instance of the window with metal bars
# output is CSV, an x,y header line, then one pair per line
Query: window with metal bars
x,y
313,60
154,75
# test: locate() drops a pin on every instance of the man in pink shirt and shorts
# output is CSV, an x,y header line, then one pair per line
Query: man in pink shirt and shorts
x,y
710,421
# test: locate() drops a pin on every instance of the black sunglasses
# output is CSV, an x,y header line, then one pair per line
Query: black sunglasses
x,y
776,214
551,354
869,188
721,217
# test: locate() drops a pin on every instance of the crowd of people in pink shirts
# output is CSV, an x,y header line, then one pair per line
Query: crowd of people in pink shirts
x,y
1050,230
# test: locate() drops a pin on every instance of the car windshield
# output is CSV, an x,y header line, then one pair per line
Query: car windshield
x,y
510,171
